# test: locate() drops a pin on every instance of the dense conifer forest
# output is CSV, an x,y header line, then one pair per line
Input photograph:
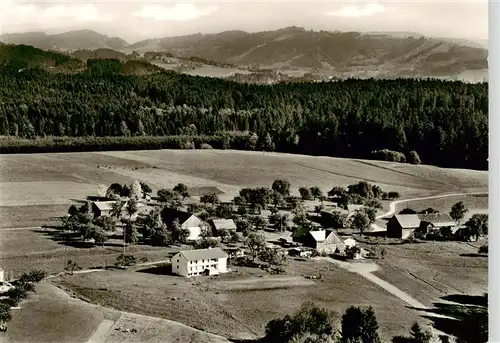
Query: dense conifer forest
x,y
446,123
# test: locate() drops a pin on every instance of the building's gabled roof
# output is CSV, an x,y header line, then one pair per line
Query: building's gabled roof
x,y
104,205
171,214
223,224
438,219
203,254
408,221
321,235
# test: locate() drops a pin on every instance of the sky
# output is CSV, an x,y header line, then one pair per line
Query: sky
x,y
137,20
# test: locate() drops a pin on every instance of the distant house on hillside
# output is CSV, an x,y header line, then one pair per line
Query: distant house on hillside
x,y
324,241
219,225
402,225
187,221
212,261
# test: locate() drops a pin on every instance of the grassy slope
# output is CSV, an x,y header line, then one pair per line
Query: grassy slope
x,y
231,310
431,270
53,316
69,320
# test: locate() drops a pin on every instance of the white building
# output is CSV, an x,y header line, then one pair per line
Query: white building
x,y
212,261
187,221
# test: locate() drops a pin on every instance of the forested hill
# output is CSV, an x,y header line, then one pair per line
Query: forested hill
x,y
446,123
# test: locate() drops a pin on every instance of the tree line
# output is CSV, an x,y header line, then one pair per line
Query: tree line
x,y
444,123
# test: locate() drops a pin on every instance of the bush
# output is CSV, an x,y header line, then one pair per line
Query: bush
x,y
483,249
413,158
5,312
35,275
205,146
125,261
389,155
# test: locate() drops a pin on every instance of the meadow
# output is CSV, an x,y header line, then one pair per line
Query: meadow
x,y
36,189
239,305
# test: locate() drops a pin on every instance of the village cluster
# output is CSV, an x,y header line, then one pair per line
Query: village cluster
x,y
260,224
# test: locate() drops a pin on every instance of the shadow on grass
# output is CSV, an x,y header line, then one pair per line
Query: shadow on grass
x,y
467,319
72,239
258,340
164,269
474,255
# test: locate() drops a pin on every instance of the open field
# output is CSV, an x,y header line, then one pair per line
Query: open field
x,y
70,320
73,320
21,250
475,203
36,188
58,178
31,215
239,305
431,270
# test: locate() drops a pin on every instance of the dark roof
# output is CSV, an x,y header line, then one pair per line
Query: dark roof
x,y
170,214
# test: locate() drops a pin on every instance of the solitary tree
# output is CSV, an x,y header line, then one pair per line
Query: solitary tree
x,y
136,190
244,226
5,314
360,221
458,211
256,243
182,190
359,326
282,187
305,193
145,188
317,193
477,225
165,195
419,335
210,198
413,158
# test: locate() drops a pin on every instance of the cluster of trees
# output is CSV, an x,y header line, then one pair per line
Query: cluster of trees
x,y
444,123
25,284
396,156
312,324
274,261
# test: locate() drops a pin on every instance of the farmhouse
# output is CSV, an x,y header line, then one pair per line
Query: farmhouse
x,y
219,225
212,261
102,208
435,221
187,221
402,225
324,241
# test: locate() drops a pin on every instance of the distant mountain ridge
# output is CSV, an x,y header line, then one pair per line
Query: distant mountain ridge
x,y
292,49
72,40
